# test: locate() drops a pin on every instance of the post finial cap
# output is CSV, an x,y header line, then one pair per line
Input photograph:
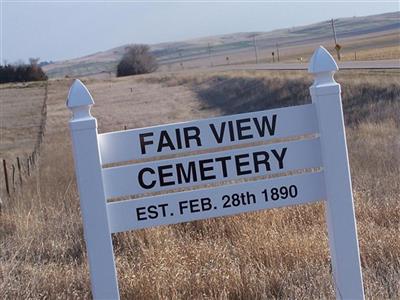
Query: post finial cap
x,y
79,95
322,61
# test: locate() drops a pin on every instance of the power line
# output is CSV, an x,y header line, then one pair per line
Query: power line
x,y
255,48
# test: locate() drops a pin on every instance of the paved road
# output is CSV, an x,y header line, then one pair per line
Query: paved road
x,y
372,64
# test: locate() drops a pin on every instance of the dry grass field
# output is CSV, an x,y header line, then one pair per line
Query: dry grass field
x,y
274,254
375,46
20,117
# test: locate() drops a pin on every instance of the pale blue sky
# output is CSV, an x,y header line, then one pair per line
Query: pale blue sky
x,y
55,30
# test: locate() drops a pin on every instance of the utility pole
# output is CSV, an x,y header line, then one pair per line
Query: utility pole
x,y
334,32
169,51
277,51
255,48
180,58
337,46
209,54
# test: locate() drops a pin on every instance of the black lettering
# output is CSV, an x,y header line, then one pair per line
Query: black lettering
x,y
178,138
204,169
165,141
182,206
183,176
265,122
205,204
195,136
240,164
223,160
261,158
162,175
279,157
231,132
163,206
194,205
143,143
218,137
139,212
241,128
227,201
141,181
153,213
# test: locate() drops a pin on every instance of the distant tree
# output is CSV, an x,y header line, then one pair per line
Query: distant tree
x,y
22,72
137,60
45,63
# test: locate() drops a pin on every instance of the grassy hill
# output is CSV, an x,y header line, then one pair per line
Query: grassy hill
x,y
372,37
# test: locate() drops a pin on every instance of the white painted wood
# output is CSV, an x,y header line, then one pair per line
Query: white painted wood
x,y
90,185
96,184
342,231
124,145
123,180
123,214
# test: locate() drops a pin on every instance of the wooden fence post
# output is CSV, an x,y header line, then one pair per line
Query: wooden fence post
x,y
6,177
91,190
19,170
13,176
27,165
343,243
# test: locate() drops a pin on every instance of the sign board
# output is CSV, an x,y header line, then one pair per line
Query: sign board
x,y
215,202
210,168
217,167
207,134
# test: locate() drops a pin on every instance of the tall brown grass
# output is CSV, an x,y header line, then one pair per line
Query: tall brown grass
x,y
272,254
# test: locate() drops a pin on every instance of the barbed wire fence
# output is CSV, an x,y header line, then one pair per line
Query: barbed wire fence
x,y
16,172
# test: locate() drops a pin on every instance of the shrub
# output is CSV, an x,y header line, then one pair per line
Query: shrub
x,y
137,60
22,72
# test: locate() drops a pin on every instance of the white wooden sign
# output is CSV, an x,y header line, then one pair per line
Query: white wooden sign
x,y
304,147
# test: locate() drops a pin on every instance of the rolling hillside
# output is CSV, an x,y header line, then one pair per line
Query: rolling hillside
x,y
370,37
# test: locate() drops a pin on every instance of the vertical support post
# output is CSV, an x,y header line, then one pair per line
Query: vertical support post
x,y
91,191
255,48
19,170
209,54
277,51
27,165
6,177
13,176
343,243
337,47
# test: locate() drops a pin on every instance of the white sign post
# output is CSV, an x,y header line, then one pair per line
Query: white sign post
x,y
91,192
312,165
343,243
